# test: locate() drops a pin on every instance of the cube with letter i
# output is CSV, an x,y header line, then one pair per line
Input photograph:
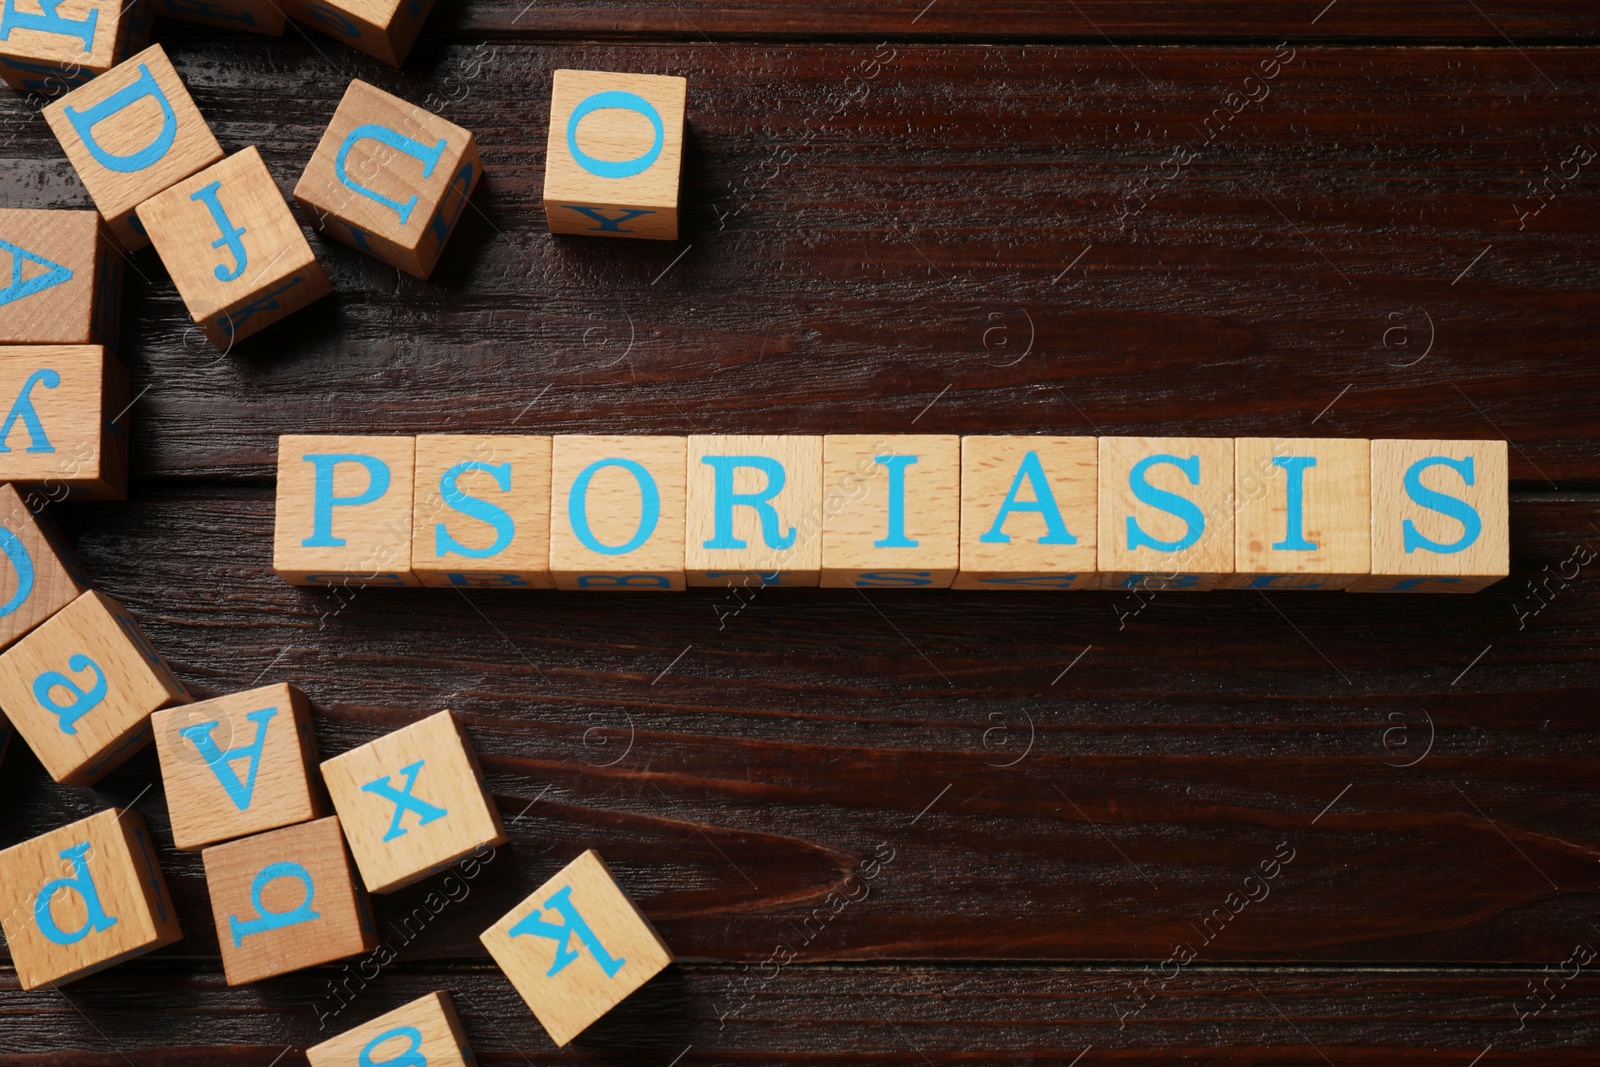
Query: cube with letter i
x,y
1303,513
576,948
423,1033
614,158
51,46
412,802
389,178
482,511
286,899
83,898
253,16
39,575
80,689
617,512
233,248
754,511
384,29
890,510
65,431
1440,517
63,279
344,511
1028,513
238,765
131,133
1166,512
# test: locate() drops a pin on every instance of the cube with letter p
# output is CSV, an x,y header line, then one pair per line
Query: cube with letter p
x,y
344,511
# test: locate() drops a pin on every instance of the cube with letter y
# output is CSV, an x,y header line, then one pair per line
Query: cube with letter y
x,y
1166,512
482,512
754,510
65,430
891,510
423,1033
1028,513
50,46
344,511
63,279
617,512
576,948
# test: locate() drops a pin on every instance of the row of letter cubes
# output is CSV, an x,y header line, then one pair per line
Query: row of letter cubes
x,y
892,511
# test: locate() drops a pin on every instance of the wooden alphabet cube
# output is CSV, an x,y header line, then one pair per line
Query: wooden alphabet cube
x,y
83,898
65,433
1302,513
755,510
890,510
238,765
254,16
131,133
64,279
344,511
576,948
423,1033
286,899
614,158
384,29
617,512
482,512
1166,512
1441,518
39,575
1028,513
80,689
233,248
51,48
389,178
412,802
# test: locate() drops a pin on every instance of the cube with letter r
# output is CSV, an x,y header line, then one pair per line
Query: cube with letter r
x,y
344,511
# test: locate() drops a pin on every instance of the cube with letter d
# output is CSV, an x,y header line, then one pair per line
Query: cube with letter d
x,y
1028,507
617,512
1166,512
482,512
344,511
755,510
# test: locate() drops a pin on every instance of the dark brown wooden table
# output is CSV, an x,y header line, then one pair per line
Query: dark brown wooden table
x,y
964,218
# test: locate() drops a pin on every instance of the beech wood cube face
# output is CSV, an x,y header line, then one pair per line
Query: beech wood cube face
x,y
238,765
755,511
130,134
38,573
576,948
1303,517
50,48
233,248
412,802
286,899
80,689
344,511
255,16
423,1033
890,510
389,178
482,513
1028,513
1166,512
617,512
83,898
64,279
614,158
1440,517
384,29
65,433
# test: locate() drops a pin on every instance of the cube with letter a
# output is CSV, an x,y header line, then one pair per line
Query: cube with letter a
x,y
286,899
1166,512
617,512
890,510
754,511
614,157
1302,513
384,29
65,427
423,1033
39,575
481,517
237,765
83,898
1440,517
254,16
1028,513
389,178
63,279
233,248
576,948
50,47
344,511
131,133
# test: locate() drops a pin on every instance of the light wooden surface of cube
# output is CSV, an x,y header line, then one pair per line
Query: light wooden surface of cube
x,y
1303,512
65,431
481,517
423,1033
1028,513
344,511
65,279
1166,512
617,512
39,575
754,510
891,515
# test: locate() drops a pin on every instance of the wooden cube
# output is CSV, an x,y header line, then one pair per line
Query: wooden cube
x,y
1028,513
389,178
65,279
1440,517
482,512
39,574
384,29
65,433
617,512
344,511
238,765
1302,513
890,510
131,133
576,948
233,248
255,16
80,689
614,158
50,49
423,1033
754,510
83,898
1166,512
286,899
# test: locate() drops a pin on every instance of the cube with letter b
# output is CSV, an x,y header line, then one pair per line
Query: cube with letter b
x,y
1303,513
39,575
51,46
482,512
65,279
423,1033
65,431
616,512
1166,512
890,510
344,511
1028,507
754,510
